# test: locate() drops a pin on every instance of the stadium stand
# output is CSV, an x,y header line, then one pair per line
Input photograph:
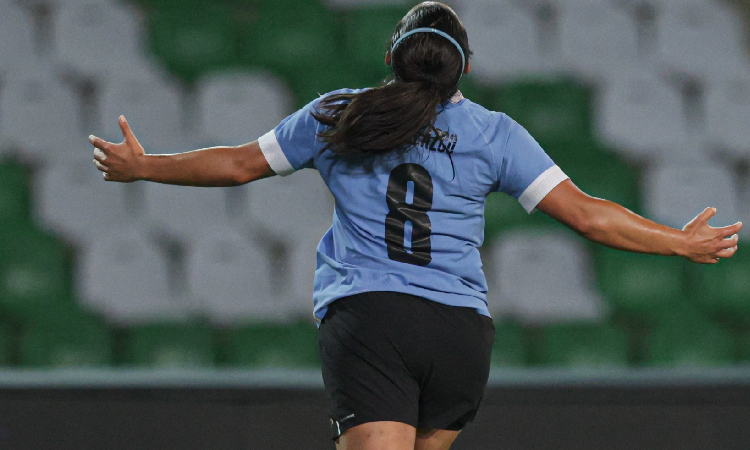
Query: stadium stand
x,y
643,103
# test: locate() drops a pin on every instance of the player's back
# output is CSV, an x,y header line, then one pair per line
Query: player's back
x,y
412,221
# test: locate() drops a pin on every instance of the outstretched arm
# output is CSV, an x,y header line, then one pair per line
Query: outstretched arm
x,y
612,225
216,166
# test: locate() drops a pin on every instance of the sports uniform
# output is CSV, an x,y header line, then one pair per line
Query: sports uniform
x,y
411,224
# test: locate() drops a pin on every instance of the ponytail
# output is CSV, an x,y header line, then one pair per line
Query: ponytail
x,y
396,116
379,120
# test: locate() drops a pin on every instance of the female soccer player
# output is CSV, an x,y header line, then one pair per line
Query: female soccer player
x,y
405,333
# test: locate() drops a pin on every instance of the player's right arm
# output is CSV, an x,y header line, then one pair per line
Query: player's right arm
x,y
612,225
216,166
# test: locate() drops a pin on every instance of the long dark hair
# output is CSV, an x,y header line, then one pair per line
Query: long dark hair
x,y
425,71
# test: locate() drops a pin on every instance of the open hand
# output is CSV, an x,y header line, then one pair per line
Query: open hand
x,y
707,244
119,162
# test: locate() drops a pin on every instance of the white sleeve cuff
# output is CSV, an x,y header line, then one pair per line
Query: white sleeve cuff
x,y
539,188
276,158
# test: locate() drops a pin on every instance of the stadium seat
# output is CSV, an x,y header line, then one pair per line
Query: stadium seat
x,y
275,208
641,116
184,213
674,194
641,286
71,198
728,115
503,38
368,36
583,345
601,174
236,107
122,276
685,338
553,112
257,346
365,3
6,346
702,38
596,40
724,287
542,277
291,36
67,339
95,38
232,279
14,194
38,102
168,345
17,36
313,82
503,213
35,273
153,108
192,41
508,349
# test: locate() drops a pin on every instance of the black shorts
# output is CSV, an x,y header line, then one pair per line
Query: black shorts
x,y
396,357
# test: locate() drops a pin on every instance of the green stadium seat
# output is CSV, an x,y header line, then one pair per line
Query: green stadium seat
x,y
503,212
476,92
193,41
724,287
67,338
272,345
641,286
583,345
35,273
309,84
6,346
291,37
508,349
368,32
14,194
600,174
686,338
169,345
743,347
553,112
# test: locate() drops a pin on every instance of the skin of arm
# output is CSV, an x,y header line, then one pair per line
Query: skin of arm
x,y
612,225
216,166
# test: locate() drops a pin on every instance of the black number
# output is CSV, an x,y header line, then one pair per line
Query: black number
x,y
415,212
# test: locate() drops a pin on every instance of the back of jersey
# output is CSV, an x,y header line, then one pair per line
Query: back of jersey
x,y
412,222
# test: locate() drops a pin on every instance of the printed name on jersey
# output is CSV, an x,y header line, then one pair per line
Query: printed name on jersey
x,y
440,141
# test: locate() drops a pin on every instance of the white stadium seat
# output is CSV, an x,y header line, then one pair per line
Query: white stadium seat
x,y
184,213
703,38
153,108
122,275
16,35
236,108
503,38
96,39
296,211
39,115
674,194
596,40
640,115
543,277
728,115
232,279
71,198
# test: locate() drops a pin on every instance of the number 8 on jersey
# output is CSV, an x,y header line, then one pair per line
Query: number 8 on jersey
x,y
415,212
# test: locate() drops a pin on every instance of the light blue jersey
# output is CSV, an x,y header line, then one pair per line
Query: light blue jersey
x,y
413,222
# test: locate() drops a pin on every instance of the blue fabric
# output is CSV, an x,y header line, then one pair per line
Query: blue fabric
x,y
490,152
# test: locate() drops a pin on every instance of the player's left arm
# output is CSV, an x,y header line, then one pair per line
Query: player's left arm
x,y
612,225
216,166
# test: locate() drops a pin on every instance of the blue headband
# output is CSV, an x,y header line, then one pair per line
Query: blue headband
x,y
441,33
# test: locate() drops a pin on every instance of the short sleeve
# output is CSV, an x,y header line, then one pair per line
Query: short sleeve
x,y
291,146
525,171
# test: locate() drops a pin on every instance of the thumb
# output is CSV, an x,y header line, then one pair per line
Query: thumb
x,y
702,218
127,133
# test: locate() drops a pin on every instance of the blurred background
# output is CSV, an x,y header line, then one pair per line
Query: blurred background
x,y
643,102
